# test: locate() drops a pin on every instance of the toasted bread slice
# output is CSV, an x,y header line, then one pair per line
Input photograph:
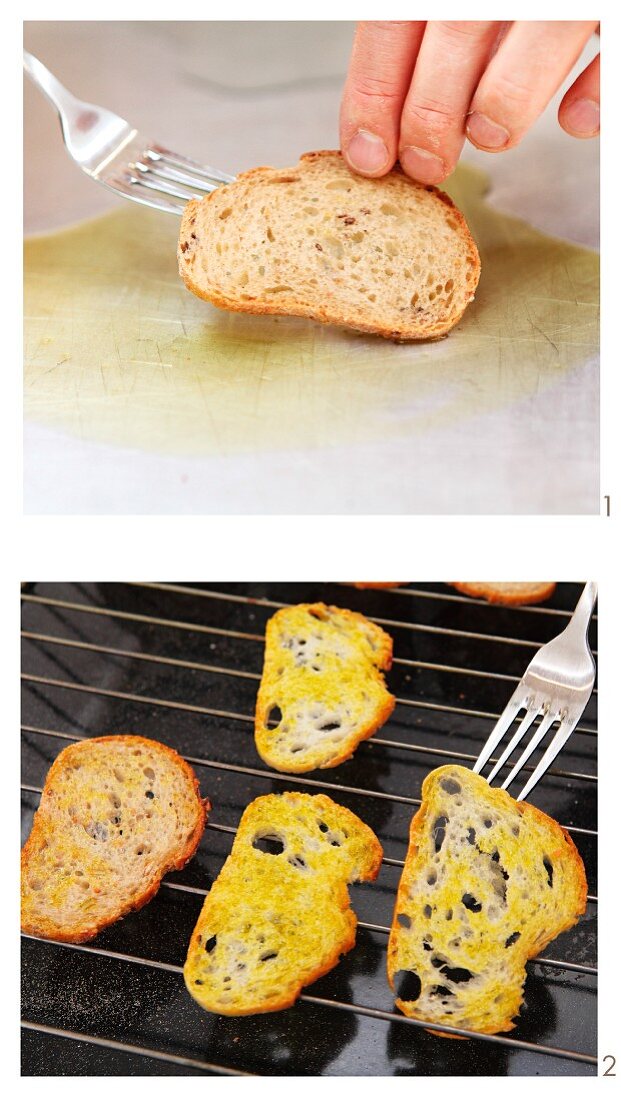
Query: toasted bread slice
x,y
115,815
487,883
278,915
389,256
378,584
507,592
321,692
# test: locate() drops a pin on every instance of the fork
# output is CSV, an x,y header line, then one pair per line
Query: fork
x,y
114,154
557,684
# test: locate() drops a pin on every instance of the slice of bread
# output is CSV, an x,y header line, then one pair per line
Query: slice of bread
x,y
378,584
278,915
488,882
115,815
507,592
389,256
321,692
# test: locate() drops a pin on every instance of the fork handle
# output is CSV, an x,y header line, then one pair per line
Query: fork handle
x,y
579,622
57,94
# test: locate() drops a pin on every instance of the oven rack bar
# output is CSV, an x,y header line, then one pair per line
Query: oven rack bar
x,y
362,1010
130,1048
402,590
457,597
195,708
181,624
557,964
402,745
200,666
281,777
30,788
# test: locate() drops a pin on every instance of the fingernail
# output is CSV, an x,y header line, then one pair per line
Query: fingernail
x,y
421,165
366,152
485,133
582,117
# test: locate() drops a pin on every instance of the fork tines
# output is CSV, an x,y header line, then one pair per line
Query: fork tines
x,y
549,714
157,169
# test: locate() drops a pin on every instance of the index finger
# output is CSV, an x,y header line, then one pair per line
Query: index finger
x,y
380,69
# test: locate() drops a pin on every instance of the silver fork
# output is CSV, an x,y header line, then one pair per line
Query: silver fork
x,y
557,685
114,154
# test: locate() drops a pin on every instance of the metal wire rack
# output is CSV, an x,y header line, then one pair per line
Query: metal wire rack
x,y
181,663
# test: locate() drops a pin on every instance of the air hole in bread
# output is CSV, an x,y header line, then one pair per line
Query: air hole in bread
x,y
449,914
441,991
471,903
149,794
327,727
404,920
118,774
549,869
210,944
226,213
439,832
324,828
432,878
267,955
297,861
453,973
150,774
513,938
427,946
274,716
471,836
269,843
451,786
488,822
407,985
427,911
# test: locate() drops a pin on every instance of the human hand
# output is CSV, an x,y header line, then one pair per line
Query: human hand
x,y
416,90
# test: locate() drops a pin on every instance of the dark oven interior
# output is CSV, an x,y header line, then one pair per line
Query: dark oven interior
x,y
181,664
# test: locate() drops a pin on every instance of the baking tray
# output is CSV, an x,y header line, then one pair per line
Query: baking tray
x,y
180,664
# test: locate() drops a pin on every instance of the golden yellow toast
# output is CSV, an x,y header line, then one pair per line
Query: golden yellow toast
x,y
322,691
278,915
115,815
488,882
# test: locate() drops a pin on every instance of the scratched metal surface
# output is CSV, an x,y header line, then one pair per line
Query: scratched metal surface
x,y
182,667
235,94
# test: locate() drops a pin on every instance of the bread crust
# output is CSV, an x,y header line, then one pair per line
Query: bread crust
x,y
365,870
419,831
378,584
382,662
488,590
45,929
325,314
